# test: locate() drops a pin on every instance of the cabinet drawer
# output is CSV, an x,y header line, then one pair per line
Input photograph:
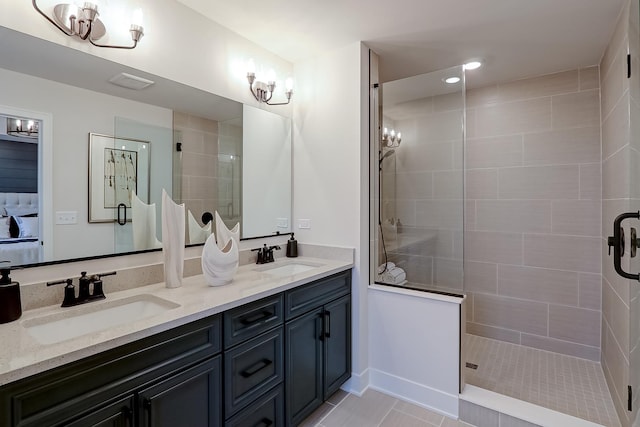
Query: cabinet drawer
x,y
308,297
268,411
250,320
48,398
252,368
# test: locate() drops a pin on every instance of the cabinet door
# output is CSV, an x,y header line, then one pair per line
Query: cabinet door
x,y
117,414
303,361
187,399
337,344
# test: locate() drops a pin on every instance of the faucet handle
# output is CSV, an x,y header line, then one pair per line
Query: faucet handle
x,y
69,292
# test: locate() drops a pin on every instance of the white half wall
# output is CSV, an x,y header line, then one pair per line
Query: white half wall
x,y
415,347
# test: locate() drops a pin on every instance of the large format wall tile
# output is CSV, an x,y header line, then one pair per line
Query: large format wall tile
x,y
573,324
486,246
511,313
544,182
577,217
562,252
531,115
482,184
520,216
590,291
567,146
547,85
590,186
576,109
538,284
501,151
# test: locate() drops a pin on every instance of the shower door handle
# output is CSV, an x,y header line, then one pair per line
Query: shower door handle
x,y
617,242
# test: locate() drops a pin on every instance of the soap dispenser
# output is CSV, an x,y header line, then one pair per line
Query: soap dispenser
x,y
10,305
292,247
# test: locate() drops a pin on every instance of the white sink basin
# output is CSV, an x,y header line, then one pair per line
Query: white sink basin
x,y
288,269
94,317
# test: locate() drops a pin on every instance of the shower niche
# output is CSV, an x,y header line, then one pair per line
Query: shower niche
x,y
419,183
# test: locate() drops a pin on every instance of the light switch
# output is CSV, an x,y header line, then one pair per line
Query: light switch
x,y
66,217
304,223
282,222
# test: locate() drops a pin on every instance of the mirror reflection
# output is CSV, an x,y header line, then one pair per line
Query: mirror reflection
x,y
198,151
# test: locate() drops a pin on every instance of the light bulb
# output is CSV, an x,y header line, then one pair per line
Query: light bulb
x,y
18,124
271,75
452,80
30,125
251,66
399,136
393,134
137,18
288,84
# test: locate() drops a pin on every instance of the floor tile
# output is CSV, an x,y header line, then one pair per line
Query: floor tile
x,y
418,412
563,383
368,410
400,419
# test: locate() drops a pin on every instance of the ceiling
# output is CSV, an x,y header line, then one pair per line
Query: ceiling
x,y
515,38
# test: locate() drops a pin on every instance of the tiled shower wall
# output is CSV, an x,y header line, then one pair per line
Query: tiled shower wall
x,y
621,193
428,194
199,138
533,212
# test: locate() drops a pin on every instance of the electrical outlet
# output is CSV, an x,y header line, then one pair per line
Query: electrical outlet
x,y
66,217
304,223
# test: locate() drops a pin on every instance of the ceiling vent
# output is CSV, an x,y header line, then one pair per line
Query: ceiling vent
x,y
130,81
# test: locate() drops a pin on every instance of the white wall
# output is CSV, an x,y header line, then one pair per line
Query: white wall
x,y
327,171
179,44
72,122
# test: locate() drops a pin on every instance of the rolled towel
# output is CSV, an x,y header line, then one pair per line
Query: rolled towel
x,y
381,268
394,276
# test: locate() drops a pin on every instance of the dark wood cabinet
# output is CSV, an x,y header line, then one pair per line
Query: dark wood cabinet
x,y
116,414
318,344
270,362
190,398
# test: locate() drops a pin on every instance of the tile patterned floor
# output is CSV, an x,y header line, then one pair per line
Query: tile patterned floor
x,y
563,383
374,409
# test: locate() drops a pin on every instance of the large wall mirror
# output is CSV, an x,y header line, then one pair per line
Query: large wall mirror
x,y
99,137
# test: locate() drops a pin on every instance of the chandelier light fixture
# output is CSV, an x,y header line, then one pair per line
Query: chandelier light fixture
x,y
22,127
391,139
263,91
84,22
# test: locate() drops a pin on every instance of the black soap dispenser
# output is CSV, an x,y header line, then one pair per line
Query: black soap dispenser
x,y
10,305
292,247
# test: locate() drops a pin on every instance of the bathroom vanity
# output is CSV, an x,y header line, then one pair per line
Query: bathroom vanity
x,y
264,351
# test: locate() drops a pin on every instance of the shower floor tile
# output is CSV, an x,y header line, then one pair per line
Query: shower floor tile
x,y
563,383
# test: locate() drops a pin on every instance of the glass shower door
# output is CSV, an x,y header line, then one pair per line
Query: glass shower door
x,y
420,203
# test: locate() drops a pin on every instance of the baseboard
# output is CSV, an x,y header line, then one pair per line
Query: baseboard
x,y
418,394
358,383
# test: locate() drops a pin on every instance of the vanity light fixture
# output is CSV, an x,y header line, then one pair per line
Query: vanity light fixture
x,y
263,92
22,127
391,139
84,22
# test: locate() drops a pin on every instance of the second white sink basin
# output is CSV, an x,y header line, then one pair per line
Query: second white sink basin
x,y
88,318
288,269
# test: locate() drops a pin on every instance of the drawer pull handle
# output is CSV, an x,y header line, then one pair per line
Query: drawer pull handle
x,y
256,318
266,422
254,369
327,324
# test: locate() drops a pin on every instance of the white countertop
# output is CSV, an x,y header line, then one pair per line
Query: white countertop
x,y
21,355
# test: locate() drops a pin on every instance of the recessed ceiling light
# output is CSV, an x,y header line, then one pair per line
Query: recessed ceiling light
x,y
472,65
452,80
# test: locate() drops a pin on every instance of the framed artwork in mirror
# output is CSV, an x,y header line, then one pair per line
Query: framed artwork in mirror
x,y
118,168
